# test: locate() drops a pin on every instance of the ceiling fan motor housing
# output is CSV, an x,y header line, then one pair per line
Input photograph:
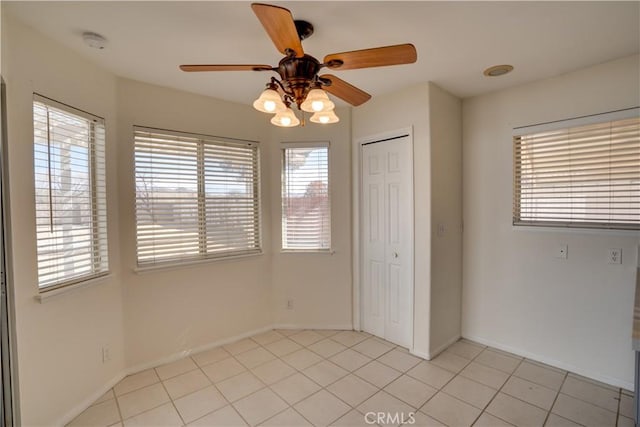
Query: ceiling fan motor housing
x,y
298,74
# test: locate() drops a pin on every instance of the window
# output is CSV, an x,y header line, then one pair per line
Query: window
x,y
306,210
71,214
197,197
579,175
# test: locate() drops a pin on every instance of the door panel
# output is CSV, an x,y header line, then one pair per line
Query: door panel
x,y
374,271
394,294
387,221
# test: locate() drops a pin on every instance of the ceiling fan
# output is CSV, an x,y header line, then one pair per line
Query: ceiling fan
x,y
299,81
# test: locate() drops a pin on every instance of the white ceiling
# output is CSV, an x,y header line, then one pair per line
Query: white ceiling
x,y
455,41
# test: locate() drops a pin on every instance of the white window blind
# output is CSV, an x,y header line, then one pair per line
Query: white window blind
x,y
585,176
197,197
71,217
306,209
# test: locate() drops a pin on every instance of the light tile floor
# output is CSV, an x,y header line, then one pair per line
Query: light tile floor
x,y
318,377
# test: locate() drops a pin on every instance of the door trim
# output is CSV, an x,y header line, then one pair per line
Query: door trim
x,y
357,261
9,370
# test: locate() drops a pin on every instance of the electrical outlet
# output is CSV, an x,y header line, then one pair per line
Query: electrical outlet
x,y
562,251
289,304
106,354
614,256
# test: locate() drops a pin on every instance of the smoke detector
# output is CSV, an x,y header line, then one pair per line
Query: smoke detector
x,y
94,40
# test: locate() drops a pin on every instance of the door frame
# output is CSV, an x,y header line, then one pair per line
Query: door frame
x,y
357,261
8,368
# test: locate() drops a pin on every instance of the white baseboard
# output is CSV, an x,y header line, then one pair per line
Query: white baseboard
x,y
184,353
616,382
419,354
80,407
433,353
335,326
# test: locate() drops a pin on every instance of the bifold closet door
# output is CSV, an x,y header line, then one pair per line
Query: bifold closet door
x,y
387,227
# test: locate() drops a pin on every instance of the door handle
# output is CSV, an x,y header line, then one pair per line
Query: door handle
x,y
395,254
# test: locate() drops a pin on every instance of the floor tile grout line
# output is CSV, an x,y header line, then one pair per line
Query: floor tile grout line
x,y
439,389
223,396
118,407
337,397
212,384
593,382
402,374
498,392
534,382
173,404
146,410
149,410
555,399
482,410
354,342
619,401
273,391
284,410
139,388
325,387
618,391
587,402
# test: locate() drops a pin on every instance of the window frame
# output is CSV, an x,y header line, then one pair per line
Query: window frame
x,y
96,164
203,256
518,222
294,145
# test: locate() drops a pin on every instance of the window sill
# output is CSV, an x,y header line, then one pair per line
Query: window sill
x,y
308,251
192,263
46,296
576,230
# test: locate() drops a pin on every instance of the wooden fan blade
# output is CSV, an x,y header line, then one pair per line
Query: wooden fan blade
x,y
237,67
375,57
279,24
345,91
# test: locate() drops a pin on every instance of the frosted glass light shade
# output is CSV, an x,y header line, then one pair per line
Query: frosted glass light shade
x,y
317,100
286,119
269,102
325,117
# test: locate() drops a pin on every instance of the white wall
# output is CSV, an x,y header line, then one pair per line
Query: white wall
x,y
151,317
59,342
574,313
445,120
408,109
178,309
435,118
318,283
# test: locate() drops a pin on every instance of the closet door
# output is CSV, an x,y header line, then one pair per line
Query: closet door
x,y
387,242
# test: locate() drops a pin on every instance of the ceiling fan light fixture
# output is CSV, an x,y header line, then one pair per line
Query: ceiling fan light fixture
x,y
298,82
316,101
285,119
325,117
269,101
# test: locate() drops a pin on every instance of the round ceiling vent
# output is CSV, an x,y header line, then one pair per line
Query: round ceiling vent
x,y
498,70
